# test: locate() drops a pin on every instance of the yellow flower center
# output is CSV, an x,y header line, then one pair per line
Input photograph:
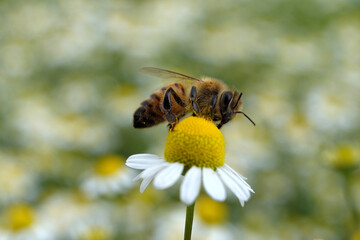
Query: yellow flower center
x,y
346,154
210,211
20,216
345,157
356,235
196,142
108,165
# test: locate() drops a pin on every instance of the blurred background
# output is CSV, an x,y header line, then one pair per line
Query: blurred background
x,y
69,84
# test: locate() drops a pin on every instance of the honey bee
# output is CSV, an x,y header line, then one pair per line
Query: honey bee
x,y
208,98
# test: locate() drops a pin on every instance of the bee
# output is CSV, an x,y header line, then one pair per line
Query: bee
x,y
206,97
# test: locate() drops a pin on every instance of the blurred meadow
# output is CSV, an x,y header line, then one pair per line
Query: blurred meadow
x,y
69,84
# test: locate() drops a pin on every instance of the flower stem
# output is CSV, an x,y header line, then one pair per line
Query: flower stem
x,y
189,221
350,202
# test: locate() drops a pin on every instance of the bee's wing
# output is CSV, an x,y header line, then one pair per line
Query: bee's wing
x,y
166,74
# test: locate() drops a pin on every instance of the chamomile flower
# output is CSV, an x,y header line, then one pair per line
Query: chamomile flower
x,y
70,212
21,222
212,212
195,148
330,109
17,183
345,156
212,222
169,226
94,233
108,177
96,226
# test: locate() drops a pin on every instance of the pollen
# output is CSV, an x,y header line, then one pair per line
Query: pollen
x,y
196,142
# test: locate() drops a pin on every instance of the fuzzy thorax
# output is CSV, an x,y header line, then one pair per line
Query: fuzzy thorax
x,y
196,142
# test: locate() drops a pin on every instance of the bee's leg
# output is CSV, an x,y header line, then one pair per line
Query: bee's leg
x,y
170,116
194,104
223,121
166,105
176,97
224,106
212,105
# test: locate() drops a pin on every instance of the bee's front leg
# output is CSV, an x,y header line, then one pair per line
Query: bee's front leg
x,y
194,104
212,106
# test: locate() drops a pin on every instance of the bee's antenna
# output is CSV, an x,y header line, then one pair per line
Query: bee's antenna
x,y
247,117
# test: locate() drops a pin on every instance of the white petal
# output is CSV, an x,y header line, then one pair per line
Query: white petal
x,y
235,172
145,183
151,171
213,185
168,176
241,191
190,187
143,161
244,188
143,155
238,176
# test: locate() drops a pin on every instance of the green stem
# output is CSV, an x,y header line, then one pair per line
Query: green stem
x,y
189,221
349,200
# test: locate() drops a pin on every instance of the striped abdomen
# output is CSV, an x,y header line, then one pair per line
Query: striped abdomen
x,y
151,112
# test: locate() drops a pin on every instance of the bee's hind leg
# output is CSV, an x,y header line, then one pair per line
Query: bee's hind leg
x,y
166,105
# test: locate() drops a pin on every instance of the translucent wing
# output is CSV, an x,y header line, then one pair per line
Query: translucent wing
x,y
166,74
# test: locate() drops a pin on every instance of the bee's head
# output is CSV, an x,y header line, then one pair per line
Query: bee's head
x,y
230,104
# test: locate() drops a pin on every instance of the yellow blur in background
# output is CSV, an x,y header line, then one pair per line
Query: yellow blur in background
x,y
69,84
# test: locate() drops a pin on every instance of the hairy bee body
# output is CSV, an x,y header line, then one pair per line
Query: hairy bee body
x,y
206,90
208,98
151,113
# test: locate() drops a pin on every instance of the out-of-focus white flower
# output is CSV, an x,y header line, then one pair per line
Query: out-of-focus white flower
x,y
30,20
298,135
97,224
77,35
211,212
17,183
118,103
227,43
211,222
128,33
38,122
63,210
34,119
298,55
332,108
273,107
253,144
197,146
15,59
21,222
77,131
95,229
345,156
109,177
76,94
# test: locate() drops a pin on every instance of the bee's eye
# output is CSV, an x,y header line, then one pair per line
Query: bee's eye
x,y
225,99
